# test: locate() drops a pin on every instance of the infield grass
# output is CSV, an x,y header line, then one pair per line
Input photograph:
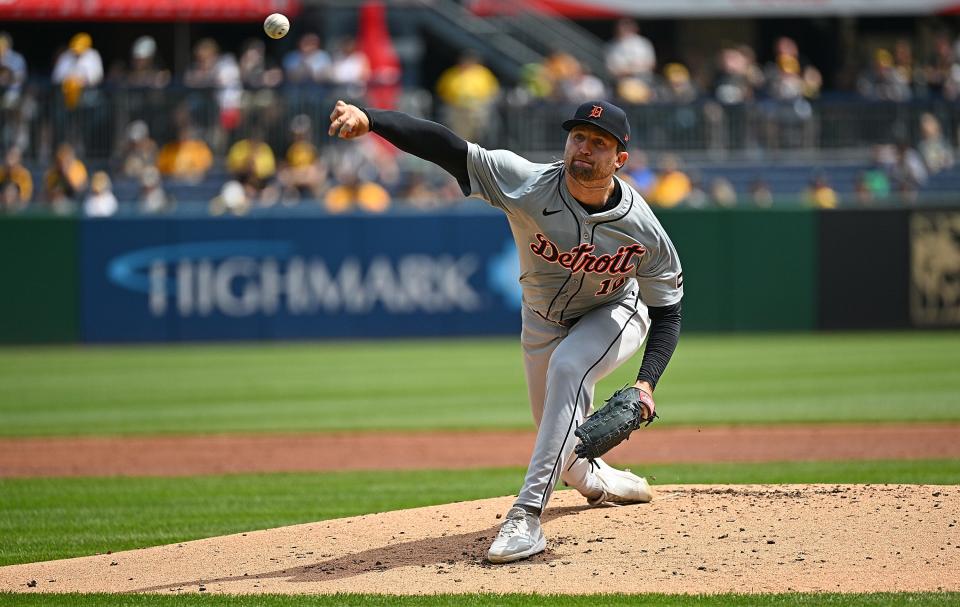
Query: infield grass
x,y
462,384
51,518
474,600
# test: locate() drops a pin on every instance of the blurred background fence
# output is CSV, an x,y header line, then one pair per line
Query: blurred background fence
x,y
705,128
782,145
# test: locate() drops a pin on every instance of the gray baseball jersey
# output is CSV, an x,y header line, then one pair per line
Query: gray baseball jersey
x,y
571,261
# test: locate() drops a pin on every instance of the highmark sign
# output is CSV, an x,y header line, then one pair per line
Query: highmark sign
x,y
244,278
334,277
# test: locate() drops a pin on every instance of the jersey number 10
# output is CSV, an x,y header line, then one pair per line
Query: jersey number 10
x,y
610,284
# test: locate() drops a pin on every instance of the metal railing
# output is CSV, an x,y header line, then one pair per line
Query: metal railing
x,y
97,124
752,131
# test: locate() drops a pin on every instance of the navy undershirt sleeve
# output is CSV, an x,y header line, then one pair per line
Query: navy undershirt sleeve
x,y
662,341
424,139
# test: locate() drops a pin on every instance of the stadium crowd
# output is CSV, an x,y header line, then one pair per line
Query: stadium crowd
x,y
235,167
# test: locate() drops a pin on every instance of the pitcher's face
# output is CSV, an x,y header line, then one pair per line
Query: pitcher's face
x,y
591,154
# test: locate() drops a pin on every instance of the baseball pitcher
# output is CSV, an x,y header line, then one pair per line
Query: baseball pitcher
x,y
599,276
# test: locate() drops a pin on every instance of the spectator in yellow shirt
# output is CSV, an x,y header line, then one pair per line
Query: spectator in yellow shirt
x,y
65,180
672,185
304,174
820,194
468,90
14,174
354,193
186,159
251,162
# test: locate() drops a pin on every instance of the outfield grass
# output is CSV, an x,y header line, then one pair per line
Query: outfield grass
x,y
462,384
49,518
472,600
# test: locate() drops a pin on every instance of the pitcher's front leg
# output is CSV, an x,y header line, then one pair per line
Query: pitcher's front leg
x,y
563,411
600,342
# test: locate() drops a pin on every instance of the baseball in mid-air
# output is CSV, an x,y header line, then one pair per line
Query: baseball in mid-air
x,y
276,25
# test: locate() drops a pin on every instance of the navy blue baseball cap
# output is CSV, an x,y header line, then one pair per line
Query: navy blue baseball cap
x,y
603,115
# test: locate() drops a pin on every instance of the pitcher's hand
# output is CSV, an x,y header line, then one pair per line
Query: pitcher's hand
x,y
348,121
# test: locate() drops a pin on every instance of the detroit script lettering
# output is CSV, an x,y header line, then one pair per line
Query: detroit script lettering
x,y
580,257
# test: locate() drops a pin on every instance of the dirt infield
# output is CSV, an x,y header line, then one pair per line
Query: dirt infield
x,y
690,539
186,455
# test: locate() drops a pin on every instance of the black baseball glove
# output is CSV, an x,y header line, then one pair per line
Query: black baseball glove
x,y
624,412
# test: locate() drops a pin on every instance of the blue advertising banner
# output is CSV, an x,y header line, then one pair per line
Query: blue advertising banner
x,y
290,278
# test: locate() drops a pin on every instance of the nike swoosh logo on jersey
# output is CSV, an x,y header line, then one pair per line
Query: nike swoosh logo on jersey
x,y
547,213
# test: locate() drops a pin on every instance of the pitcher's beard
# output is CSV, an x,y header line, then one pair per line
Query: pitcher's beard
x,y
585,175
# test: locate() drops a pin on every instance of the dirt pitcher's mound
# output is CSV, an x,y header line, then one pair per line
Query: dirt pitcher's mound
x,y
691,539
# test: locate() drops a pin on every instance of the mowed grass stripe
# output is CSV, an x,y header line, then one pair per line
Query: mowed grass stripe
x,y
483,600
462,384
50,518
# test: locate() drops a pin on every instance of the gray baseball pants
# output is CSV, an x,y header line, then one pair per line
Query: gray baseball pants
x,y
563,364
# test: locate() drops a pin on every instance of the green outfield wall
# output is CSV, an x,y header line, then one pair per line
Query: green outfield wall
x,y
745,269
69,280
39,274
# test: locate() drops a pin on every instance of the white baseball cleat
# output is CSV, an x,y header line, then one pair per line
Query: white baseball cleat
x,y
620,487
520,537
